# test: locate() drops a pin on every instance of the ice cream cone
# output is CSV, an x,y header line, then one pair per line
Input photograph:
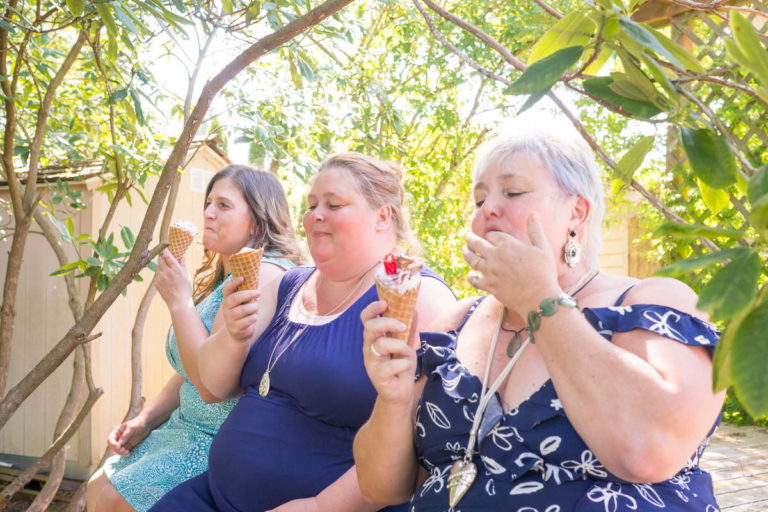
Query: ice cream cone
x,y
400,306
246,263
397,282
180,239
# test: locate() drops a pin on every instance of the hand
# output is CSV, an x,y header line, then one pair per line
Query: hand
x,y
391,372
240,310
126,436
300,505
173,281
517,274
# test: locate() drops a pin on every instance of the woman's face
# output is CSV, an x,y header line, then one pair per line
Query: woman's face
x,y
507,192
339,222
227,219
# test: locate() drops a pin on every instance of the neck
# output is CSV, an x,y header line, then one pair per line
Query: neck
x,y
327,296
225,262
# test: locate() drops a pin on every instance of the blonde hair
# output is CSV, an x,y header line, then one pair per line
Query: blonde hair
x,y
268,208
380,183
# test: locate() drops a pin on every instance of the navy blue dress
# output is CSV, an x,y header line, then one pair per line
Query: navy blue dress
x,y
533,460
297,440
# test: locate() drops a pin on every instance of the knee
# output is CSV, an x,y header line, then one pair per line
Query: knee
x,y
110,500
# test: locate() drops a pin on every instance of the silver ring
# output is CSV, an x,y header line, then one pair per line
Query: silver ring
x,y
375,352
473,278
476,261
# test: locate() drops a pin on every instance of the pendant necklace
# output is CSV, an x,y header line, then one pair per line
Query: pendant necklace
x,y
463,472
264,383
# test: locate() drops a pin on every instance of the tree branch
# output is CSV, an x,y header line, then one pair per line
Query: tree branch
x,y
551,10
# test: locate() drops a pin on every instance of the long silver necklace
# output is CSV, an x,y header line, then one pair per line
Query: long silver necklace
x,y
265,383
463,471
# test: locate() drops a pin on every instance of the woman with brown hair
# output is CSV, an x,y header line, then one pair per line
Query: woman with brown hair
x,y
168,441
287,445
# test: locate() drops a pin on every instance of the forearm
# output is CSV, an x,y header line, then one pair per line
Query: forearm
x,y
190,335
384,455
344,495
220,364
157,411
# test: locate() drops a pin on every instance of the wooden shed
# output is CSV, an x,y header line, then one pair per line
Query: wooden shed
x,y
43,317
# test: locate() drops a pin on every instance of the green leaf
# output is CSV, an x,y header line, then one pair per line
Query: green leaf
x,y
714,198
710,157
753,53
66,269
758,184
600,87
683,230
758,217
682,267
124,19
128,238
628,88
116,96
633,159
544,73
749,353
106,16
6,26
533,99
75,7
647,39
684,56
575,28
732,288
70,227
137,107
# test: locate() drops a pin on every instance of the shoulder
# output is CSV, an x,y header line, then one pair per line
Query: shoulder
x,y
434,297
452,316
665,291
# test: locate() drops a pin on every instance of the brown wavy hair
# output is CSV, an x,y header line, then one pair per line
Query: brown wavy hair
x,y
268,207
380,182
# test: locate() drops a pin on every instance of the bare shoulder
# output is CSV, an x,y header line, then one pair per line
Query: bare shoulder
x,y
665,291
434,298
452,316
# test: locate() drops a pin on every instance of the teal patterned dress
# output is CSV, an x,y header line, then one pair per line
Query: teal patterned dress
x,y
178,449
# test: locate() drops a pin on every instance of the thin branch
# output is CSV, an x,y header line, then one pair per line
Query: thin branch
x,y
551,10
698,6
475,31
42,119
724,83
24,478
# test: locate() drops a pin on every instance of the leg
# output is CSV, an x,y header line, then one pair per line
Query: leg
x,y
103,497
194,495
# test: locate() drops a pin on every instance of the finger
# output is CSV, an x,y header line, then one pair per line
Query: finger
x,y
245,310
373,310
243,297
396,367
230,286
536,232
478,245
393,347
476,280
472,258
377,327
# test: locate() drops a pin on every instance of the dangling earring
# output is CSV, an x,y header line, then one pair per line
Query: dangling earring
x,y
572,250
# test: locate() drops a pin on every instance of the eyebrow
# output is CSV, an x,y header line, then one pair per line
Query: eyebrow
x,y
502,177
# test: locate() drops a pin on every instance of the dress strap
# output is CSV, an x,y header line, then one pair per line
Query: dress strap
x,y
622,296
469,313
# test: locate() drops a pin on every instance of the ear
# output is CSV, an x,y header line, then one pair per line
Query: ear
x,y
383,218
579,213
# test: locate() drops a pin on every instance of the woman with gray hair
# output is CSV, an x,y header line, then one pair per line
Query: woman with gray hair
x,y
566,389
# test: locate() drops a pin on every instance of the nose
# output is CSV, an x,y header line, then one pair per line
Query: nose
x,y
209,211
491,208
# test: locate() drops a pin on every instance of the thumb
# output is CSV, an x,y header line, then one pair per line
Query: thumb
x,y
536,232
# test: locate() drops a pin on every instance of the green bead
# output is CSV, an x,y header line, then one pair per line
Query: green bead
x,y
534,320
548,307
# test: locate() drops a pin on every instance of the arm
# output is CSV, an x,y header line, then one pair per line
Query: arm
x,y
242,320
642,403
343,495
387,469
175,287
129,434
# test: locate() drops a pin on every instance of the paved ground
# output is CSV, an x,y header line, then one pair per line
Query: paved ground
x,y
737,457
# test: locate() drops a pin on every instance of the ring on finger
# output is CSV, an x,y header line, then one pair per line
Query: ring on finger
x,y
473,279
374,351
476,261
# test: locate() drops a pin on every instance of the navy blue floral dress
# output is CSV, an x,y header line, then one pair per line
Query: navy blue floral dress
x,y
532,459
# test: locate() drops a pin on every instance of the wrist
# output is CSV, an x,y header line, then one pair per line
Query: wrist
x,y
548,307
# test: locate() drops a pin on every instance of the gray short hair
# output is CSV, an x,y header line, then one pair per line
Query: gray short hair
x,y
572,164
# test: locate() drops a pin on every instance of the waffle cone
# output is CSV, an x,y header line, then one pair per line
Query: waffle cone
x,y
399,306
246,264
180,240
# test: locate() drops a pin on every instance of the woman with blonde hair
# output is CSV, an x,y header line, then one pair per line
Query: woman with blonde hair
x,y
287,445
168,441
